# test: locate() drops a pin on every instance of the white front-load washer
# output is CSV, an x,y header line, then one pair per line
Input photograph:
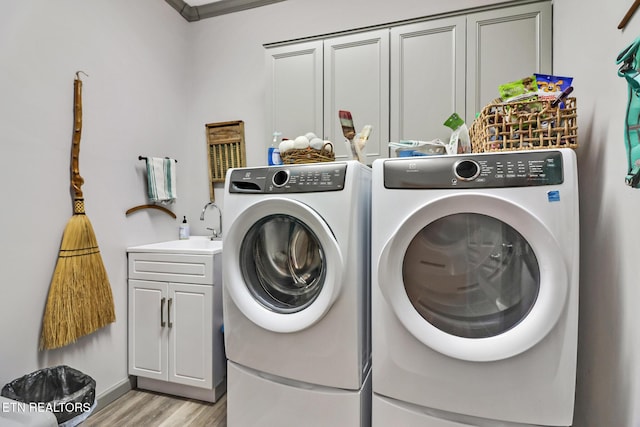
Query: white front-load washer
x,y
296,295
475,289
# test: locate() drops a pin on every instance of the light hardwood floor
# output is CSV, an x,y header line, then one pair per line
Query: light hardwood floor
x,y
140,408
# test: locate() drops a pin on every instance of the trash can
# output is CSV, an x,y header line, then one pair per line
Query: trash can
x,y
67,392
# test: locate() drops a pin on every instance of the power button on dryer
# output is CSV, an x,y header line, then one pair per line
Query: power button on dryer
x,y
466,170
280,178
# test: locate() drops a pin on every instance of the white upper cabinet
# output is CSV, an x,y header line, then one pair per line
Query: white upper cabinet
x,y
294,89
406,80
356,79
504,45
427,78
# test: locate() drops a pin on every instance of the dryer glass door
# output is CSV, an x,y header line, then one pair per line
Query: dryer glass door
x,y
282,263
474,276
471,275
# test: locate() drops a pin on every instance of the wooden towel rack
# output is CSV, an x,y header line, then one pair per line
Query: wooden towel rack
x,y
149,206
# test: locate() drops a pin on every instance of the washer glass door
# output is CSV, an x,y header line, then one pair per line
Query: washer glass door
x,y
283,267
471,275
282,263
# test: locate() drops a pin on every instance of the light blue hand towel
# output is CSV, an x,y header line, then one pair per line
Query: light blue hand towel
x,y
161,179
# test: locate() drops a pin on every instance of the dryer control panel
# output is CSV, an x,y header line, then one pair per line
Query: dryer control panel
x,y
486,170
289,178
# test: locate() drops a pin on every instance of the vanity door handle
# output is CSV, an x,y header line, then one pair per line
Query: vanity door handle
x,y
162,322
169,312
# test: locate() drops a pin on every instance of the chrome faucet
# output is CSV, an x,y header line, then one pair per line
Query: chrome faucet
x,y
215,234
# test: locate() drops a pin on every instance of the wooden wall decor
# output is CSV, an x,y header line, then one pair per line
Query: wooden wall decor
x,y
225,148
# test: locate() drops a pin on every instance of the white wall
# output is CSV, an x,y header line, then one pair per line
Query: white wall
x,y
586,43
156,80
136,54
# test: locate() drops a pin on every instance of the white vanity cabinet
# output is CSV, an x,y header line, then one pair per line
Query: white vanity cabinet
x,y
175,339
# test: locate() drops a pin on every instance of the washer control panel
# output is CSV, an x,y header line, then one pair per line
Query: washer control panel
x,y
307,178
491,170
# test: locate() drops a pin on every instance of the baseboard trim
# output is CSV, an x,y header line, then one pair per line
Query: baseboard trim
x,y
205,394
118,390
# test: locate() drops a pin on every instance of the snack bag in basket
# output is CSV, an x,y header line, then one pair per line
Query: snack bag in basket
x,y
551,87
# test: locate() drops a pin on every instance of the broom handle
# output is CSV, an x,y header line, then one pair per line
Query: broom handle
x,y
76,179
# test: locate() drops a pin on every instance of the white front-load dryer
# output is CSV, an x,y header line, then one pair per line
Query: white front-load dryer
x,y
475,289
296,294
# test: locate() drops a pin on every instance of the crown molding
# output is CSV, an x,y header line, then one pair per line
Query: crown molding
x,y
222,7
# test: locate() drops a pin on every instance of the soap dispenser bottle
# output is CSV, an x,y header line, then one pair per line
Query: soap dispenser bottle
x,y
273,154
184,229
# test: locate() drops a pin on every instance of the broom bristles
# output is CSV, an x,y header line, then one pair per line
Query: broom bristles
x,y
80,300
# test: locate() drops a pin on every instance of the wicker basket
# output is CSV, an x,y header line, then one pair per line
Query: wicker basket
x,y
309,155
527,125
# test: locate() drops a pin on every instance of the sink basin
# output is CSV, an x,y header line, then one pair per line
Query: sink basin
x,y
195,245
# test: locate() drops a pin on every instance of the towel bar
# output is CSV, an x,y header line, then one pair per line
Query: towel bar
x,y
144,158
150,206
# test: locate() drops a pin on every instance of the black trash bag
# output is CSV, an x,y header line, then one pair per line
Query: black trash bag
x,y
65,391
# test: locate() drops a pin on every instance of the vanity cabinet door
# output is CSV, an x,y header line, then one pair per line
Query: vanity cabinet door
x,y
504,45
427,78
148,337
190,314
171,332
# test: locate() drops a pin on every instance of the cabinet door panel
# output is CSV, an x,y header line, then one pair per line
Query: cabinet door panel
x,y
147,336
191,334
427,78
356,79
406,80
294,89
505,45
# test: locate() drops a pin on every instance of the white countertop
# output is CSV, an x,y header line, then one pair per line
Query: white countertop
x,y
195,245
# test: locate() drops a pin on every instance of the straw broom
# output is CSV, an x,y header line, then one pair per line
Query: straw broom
x,y
80,299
